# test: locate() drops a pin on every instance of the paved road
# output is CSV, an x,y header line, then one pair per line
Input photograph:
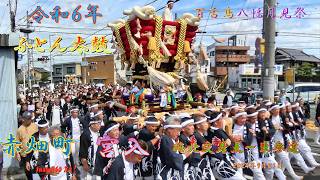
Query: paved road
x,y
316,173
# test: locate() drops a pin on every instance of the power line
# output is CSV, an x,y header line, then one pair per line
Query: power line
x,y
72,28
205,27
301,47
94,33
311,34
253,30
126,16
298,42
83,33
227,22
28,8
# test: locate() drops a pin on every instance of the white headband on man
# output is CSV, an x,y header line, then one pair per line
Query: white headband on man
x,y
42,125
172,126
234,106
185,123
98,113
240,114
203,119
251,106
112,127
151,123
274,107
75,109
262,110
282,106
215,119
253,114
94,122
268,103
93,106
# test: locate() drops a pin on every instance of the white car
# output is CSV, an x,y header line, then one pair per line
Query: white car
x,y
308,91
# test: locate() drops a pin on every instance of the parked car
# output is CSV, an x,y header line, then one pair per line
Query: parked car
x,y
308,91
240,95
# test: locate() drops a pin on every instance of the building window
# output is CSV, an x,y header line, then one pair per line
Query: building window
x,y
58,70
71,70
211,53
93,68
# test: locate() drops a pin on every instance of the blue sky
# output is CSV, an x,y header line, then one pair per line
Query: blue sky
x,y
221,27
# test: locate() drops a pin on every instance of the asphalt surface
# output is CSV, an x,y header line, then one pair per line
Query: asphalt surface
x,y
316,173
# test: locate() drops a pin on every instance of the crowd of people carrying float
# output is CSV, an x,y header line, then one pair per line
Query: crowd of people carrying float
x,y
133,131
115,139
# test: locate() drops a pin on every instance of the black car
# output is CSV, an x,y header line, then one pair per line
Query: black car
x,y
238,96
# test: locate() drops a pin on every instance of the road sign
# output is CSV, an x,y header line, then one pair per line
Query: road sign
x,y
84,63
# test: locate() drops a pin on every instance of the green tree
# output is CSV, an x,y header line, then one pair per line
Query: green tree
x,y
305,70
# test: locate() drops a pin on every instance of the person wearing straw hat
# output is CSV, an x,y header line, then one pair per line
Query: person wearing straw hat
x,y
32,157
222,164
167,14
123,165
148,134
88,148
242,135
171,161
265,136
282,135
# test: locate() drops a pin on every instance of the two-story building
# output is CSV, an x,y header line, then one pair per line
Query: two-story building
x,y
225,61
225,57
98,69
67,73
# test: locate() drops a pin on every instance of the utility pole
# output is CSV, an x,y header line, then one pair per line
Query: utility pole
x,y
51,60
269,24
85,68
28,55
24,79
13,12
227,87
